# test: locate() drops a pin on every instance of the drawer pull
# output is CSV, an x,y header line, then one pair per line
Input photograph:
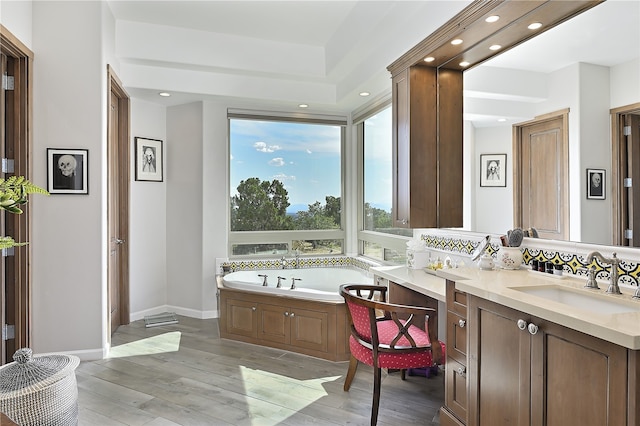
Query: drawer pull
x,y
533,329
522,324
253,308
462,323
462,371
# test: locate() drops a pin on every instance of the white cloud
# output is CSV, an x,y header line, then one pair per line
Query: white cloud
x,y
309,151
263,147
283,178
278,162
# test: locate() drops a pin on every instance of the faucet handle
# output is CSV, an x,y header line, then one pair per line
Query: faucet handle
x,y
293,282
591,280
279,284
264,279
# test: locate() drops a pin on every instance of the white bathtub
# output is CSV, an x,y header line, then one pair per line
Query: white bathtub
x,y
315,283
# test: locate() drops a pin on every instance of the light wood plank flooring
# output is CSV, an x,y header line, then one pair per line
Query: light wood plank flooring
x,y
184,374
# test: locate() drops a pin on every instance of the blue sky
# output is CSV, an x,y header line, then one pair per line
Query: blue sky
x,y
304,157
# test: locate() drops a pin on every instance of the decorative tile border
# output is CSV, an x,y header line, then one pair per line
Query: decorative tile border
x,y
576,264
301,262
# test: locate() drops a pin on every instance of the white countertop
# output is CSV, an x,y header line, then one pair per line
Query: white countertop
x,y
415,279
501,285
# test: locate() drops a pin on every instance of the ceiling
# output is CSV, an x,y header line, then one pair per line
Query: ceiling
x,y
321,53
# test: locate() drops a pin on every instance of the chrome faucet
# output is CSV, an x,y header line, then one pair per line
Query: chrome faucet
x,y
614,262
293,282
264,279
284,262
280,281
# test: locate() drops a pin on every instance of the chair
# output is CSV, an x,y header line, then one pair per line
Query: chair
x,y
385,335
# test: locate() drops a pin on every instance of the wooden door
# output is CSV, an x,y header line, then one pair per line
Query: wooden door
x,y
541,164
625,186
118,203
309,329
499,366
15,145
273,323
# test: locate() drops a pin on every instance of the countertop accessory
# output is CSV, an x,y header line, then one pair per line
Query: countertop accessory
x,y
480,248
591,279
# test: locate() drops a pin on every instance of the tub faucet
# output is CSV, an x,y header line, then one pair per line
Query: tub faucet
x,y
264,279
279,284
614,262
284,262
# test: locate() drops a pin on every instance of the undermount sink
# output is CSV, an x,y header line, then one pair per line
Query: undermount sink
x,y
582,299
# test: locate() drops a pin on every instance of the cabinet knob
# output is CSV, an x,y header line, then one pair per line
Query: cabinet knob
x,y
253,308
522,324
292,314
404,221
462,371
286,314
533,329
462,323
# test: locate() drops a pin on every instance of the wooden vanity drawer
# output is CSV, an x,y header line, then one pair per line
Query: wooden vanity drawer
x,y
456,389
456,299
457,337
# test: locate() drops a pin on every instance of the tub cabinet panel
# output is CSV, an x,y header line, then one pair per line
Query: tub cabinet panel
x,y
313,328
524,370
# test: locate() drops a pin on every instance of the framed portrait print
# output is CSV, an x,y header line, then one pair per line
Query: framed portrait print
x,y
596,179
149,159
493,169
67,171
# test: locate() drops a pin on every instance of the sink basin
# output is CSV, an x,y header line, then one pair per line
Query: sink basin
x,y
582,299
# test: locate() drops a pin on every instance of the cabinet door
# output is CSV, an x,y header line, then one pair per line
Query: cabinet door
x,y
499,366
576,379
400,119
456,389
242,318
309,329
273,323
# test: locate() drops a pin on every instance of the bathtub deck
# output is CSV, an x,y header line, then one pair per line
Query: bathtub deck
x,y
184,374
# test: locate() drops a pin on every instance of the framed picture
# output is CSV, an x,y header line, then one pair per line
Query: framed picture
x,y
596,184
493,169
67,171
149,159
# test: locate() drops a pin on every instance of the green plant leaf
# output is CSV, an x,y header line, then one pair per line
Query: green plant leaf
x,y
7,242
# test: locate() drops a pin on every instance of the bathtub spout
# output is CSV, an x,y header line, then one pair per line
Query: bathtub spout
x,y
284,262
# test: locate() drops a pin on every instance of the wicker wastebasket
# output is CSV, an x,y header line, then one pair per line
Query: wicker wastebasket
x,y
40,390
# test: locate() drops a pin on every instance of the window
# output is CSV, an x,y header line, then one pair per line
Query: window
x,y
285,185
379,239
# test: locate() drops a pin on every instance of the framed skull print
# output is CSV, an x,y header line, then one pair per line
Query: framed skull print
x,y
149,159
596,184
67,171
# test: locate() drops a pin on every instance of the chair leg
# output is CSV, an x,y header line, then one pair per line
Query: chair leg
x,y
403,374
353,366
377,378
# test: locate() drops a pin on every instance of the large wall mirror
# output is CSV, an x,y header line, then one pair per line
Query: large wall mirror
x,y
588,65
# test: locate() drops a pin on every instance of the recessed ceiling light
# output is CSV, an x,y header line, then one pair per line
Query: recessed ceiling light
x,y
164,94
303,106
492,18
534,26
464,64
456,41
364,93
429,59
495,47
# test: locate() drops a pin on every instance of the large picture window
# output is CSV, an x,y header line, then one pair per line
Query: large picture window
x,y
285,186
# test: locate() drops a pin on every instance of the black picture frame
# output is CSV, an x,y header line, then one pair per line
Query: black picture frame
x,y
149,159
596,184
493,170
68,171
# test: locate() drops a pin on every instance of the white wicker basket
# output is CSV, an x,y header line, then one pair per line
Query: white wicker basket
x,y
40,390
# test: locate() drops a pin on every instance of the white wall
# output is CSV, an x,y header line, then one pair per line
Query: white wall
x,y
16,17
148,219
68,243
625,83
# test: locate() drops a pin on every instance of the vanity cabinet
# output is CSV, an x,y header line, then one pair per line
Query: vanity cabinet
x,y
527,371
427,147
313,328
456,389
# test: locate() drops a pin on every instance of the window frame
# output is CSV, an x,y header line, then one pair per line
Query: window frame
x,y
286,236
397,243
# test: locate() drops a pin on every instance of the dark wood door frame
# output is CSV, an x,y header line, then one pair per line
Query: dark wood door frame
x,y
16,137
619,164
120,155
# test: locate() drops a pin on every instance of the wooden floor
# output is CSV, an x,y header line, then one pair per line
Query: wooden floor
x,y
184,374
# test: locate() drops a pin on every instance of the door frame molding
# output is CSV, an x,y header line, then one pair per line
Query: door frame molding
x,y
618,193
22,119
114,85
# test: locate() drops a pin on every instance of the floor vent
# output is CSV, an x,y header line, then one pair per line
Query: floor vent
x,y
165,318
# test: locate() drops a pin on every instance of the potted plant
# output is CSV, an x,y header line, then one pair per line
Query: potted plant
x,y
13,194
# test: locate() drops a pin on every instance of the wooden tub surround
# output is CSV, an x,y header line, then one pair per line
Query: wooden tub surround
x,y
310,327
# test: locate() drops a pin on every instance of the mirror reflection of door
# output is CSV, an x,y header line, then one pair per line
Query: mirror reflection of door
x,y
541,183
626,175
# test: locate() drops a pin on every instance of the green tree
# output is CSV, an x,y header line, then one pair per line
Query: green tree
x,y
260,206
333,208
376,218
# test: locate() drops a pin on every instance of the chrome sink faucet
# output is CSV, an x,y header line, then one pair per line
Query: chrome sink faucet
x,y
614,262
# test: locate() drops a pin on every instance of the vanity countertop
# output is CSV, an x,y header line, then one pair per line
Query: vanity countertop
x,y
415,279
501,285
